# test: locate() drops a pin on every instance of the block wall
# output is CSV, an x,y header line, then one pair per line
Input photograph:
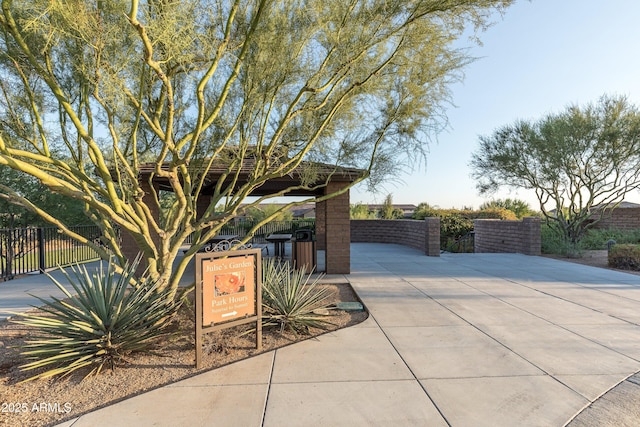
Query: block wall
x,y
421,235
494,235
621,218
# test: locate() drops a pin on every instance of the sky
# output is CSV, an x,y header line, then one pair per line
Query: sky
x,y
539,58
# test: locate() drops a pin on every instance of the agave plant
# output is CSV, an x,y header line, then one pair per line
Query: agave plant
x,y
291,297
99,324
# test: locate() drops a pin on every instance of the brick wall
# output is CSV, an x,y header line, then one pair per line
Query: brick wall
x,y
336,238
422,235
494,235
621,218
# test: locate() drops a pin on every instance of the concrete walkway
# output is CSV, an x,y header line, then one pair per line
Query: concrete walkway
x,y
18,295
459,340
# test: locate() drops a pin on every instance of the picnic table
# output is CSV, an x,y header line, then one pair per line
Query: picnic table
x,y
278,241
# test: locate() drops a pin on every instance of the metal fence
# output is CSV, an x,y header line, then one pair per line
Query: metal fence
x,y
242,227
27,250
463,244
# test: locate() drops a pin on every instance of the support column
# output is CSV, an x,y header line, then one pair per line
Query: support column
x,y
202,204
432,236
532,237
321,231
337,231
129,247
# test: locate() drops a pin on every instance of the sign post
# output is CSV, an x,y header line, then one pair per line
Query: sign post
x,y
228,293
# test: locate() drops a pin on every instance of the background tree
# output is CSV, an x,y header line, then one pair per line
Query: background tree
x,y
269,210
574,161
179,86
15,216
387,211
425,210
361,211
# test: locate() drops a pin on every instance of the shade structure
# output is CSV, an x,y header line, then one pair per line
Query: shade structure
x,y
309,179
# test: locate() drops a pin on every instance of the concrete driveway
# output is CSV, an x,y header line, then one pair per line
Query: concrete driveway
x,y
503,339
458,340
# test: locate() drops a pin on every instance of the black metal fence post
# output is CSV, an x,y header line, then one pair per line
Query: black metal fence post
x,y
41,251
9,256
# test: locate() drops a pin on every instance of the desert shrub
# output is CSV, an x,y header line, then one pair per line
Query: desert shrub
x,y
102,321
289,297
554,243
424,210
625,256
598,238
453,226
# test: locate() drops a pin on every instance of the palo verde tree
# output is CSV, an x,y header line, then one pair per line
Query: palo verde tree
x,y
175,87
580,162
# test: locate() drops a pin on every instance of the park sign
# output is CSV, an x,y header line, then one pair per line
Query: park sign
x,y
228,290
228,293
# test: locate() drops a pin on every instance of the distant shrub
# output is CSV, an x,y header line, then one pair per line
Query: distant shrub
x,y
519,207
457,223
494,213
625,256
597,238
552,242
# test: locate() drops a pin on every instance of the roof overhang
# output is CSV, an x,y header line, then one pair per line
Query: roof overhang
x,y
322,173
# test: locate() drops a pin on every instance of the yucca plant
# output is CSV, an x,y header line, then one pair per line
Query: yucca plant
x,y
290,297
99,324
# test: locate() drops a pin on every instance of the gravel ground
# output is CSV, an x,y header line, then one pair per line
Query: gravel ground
x,y
49,402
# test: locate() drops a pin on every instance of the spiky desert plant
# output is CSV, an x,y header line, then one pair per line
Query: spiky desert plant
x,y
102,321
290,297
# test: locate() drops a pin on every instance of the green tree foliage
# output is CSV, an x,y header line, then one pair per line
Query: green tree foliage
x,y
14,215
269,210
425,210
388,211
574,161
519,207
178,86
361,211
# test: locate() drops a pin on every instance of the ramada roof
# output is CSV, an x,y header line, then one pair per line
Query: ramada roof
x,y
218,169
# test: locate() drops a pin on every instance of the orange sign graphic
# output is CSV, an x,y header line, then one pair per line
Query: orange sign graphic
x,y
228,289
